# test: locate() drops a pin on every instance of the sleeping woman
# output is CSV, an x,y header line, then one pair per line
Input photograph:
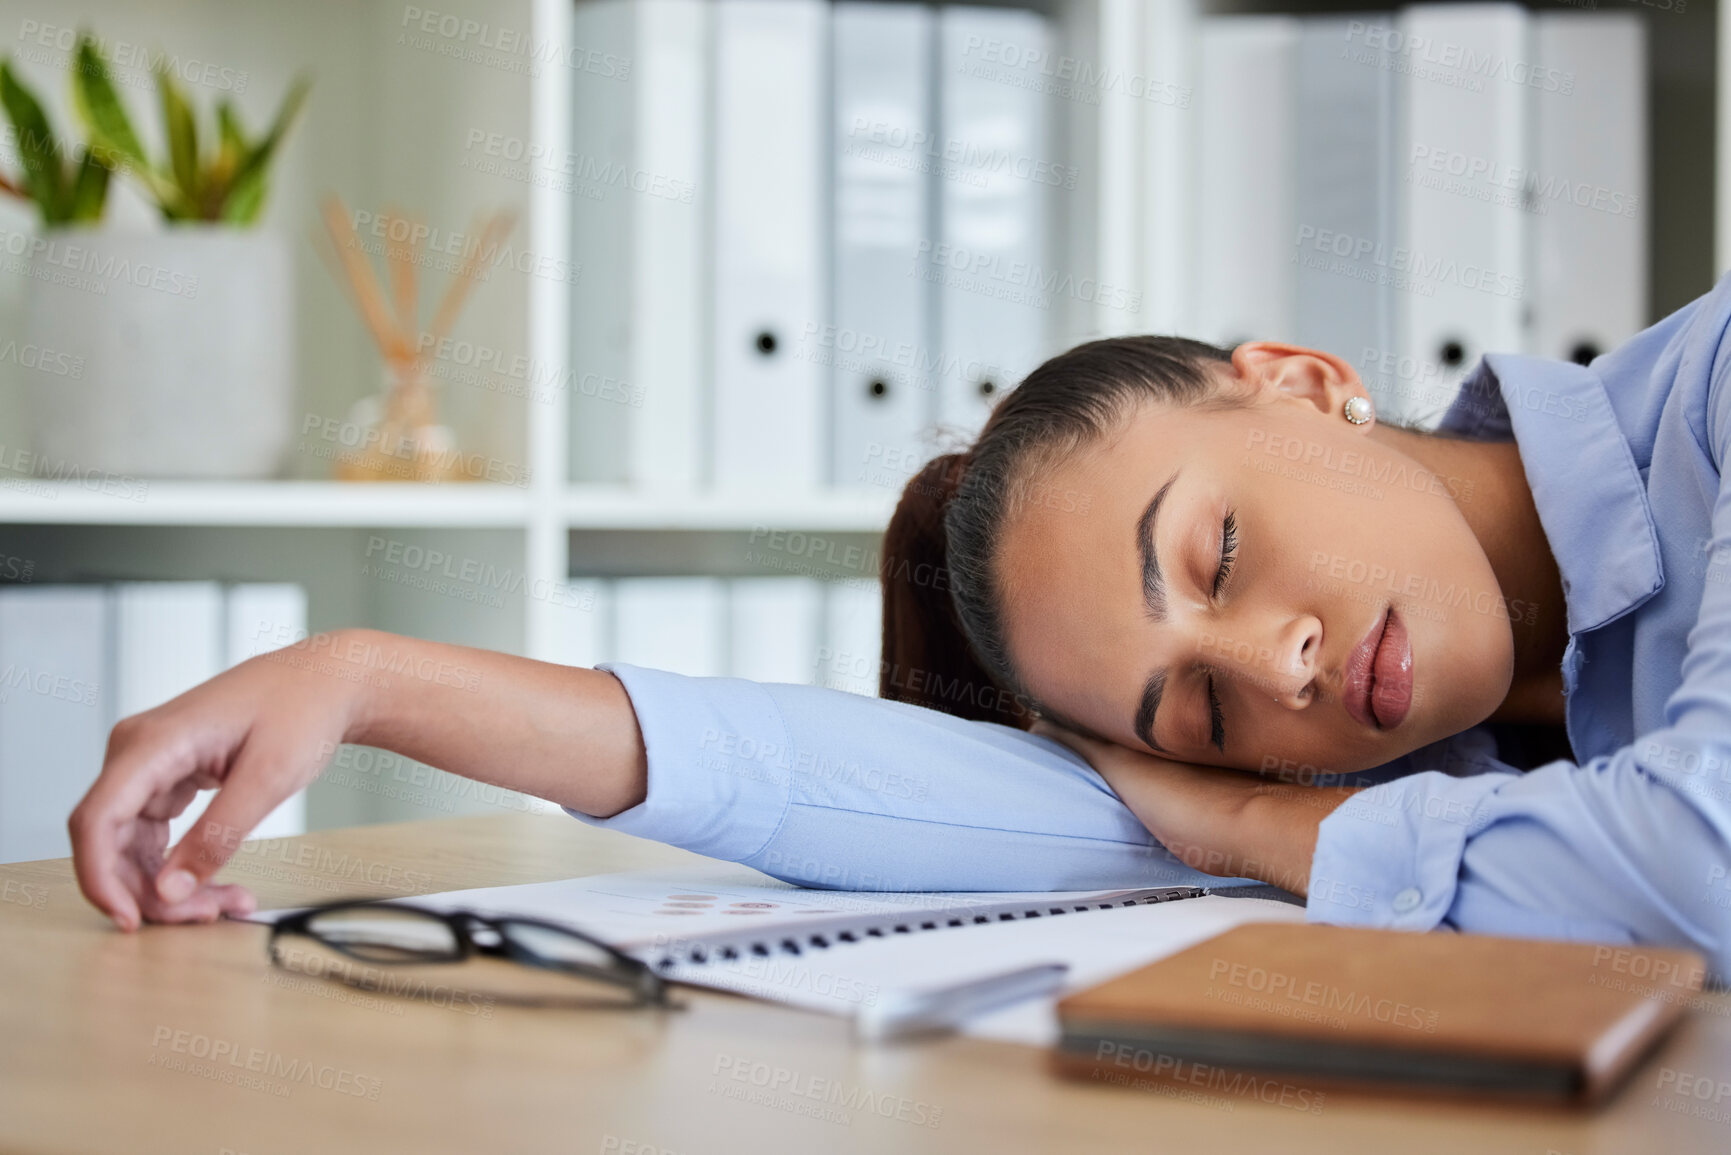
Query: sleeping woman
x,y
1179,612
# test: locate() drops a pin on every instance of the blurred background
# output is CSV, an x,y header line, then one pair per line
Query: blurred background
x,y
611,329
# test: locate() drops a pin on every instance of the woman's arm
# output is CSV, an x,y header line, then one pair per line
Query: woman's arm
x,y
1222,822
829,789
266,728
1627,848
814,786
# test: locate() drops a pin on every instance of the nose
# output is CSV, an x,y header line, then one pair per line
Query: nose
x,y
1297,652
1279,658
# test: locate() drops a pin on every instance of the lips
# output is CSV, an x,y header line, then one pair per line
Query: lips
x,y
1378,675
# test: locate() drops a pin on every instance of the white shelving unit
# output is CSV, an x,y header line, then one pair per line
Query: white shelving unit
x,y
389,124
1121,138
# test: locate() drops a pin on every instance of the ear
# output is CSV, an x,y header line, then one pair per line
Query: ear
x,y
1275,371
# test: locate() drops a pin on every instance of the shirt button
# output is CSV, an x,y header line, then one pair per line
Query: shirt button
x,y
1407,900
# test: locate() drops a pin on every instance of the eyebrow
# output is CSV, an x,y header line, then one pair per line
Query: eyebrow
x,y
1148,706
1154,596
1153,584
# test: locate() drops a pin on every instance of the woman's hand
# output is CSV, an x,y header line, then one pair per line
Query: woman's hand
x,y
264,729
1222,822
259,732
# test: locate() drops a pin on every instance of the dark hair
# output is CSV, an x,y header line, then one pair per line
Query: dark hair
x,y
943,634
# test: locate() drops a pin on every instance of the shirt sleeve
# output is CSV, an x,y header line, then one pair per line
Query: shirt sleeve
x,y
830,789
1623,848
1633,846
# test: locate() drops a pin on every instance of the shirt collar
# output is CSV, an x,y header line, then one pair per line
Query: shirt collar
x,y
1586,487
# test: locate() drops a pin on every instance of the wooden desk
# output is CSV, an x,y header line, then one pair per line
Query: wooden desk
x,y
90,1018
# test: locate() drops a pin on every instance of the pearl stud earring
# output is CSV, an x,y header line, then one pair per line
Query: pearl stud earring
x,y
1359,410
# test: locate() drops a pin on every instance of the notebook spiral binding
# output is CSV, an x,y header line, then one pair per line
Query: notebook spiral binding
x,y
827,933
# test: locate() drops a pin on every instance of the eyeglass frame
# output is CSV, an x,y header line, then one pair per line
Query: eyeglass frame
x,y
637,976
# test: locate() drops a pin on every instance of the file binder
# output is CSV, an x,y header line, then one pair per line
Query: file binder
x,y
54,707
853,638
168,637
639,360
774,625
771,238
993,278
602,334
878,352
171,636
583,624
1587,185
668,242
671,623
1247,238
1343,185
1461,282
260,617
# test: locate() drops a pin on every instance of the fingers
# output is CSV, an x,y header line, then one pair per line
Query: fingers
x,y
234,900
102,826
140,877
141,862
96,865
206,904
269,766
171,803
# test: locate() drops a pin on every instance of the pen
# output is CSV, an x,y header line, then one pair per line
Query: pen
x,y
920,1010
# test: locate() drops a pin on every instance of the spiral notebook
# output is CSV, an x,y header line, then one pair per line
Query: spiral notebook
x,y
735,929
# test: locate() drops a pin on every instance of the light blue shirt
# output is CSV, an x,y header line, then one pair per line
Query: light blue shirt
x,y
1629,843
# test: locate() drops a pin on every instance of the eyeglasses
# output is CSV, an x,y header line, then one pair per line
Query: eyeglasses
x,y
398,948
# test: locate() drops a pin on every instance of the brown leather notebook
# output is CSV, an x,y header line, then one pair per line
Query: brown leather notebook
x,y
1334,1006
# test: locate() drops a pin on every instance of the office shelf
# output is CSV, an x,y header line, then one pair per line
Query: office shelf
x,y
605,507
262,503
316,504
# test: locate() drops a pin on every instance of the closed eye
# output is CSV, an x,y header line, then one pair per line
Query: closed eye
x,y
1228,551
1228,554
1216,720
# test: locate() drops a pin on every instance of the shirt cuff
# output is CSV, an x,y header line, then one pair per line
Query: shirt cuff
x,y
709,791
1390,856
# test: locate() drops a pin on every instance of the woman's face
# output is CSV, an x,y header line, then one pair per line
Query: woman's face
x,y
1265,587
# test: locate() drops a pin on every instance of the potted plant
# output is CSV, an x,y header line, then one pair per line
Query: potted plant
x,y
186,333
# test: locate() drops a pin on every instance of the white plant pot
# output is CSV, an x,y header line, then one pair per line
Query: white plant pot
x,y
186,339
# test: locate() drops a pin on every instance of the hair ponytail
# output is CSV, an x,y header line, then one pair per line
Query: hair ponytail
x,y
927,660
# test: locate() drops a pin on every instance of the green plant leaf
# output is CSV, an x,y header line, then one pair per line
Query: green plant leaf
x,y
182,132
110,129
245,201
246,195
43,178
100,105
89,188
232,146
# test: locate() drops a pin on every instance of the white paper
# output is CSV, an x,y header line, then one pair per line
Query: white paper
x,y
650,914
